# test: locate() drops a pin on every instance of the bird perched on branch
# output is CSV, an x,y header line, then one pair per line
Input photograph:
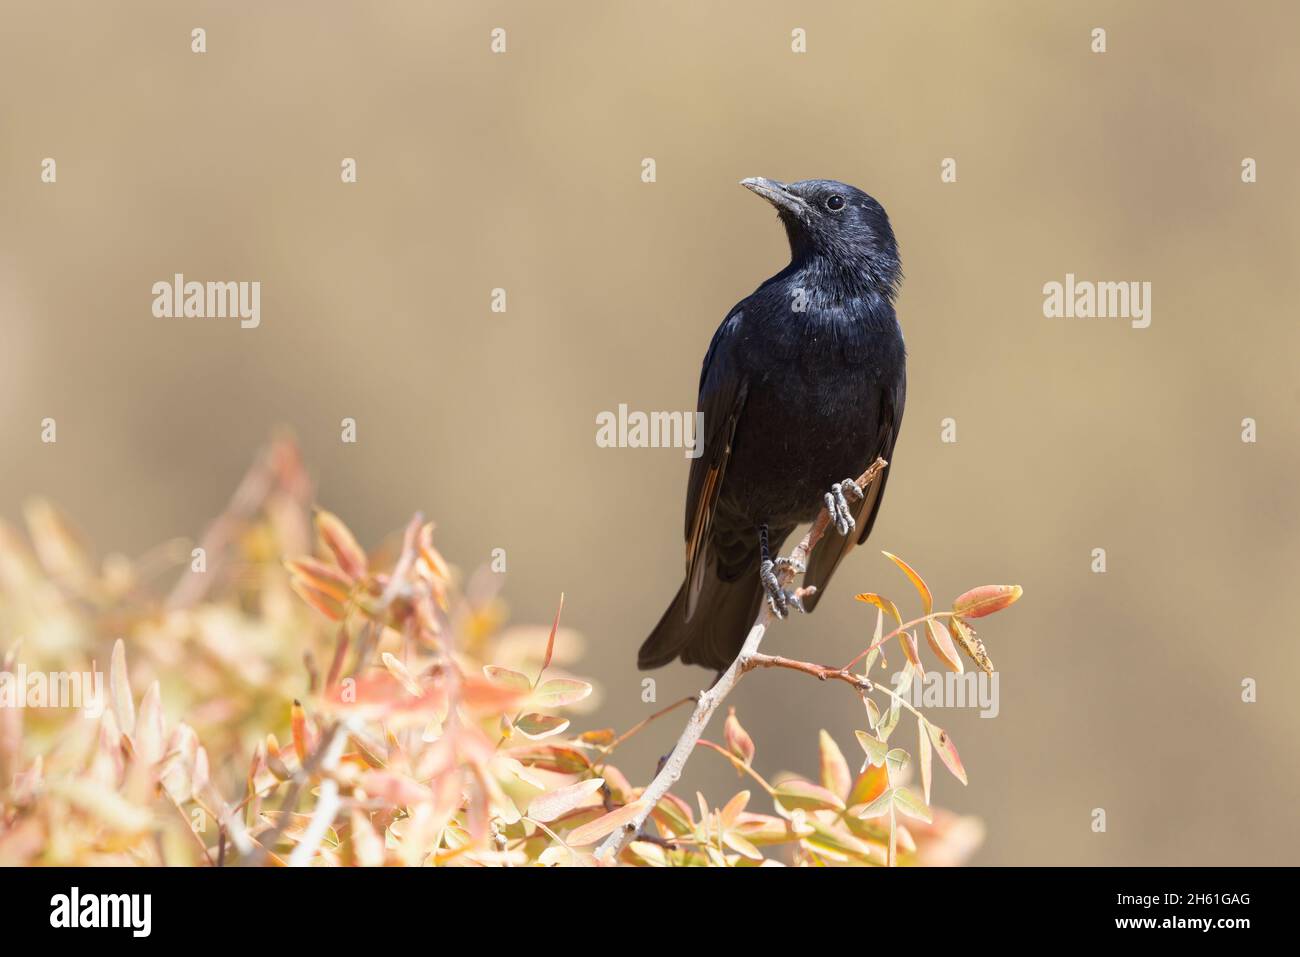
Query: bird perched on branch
x,y
803,385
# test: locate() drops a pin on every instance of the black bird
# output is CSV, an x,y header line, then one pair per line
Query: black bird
x,y
802,386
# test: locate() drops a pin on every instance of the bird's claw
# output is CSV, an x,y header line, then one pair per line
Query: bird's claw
x,y
780,599
837,504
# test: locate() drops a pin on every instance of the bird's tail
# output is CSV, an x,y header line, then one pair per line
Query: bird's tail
x,y
714,635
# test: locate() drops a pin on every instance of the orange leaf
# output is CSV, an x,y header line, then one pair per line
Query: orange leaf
x,y
341,542
941,645
550,642
884,604
298,726
927,600
321,576
985,600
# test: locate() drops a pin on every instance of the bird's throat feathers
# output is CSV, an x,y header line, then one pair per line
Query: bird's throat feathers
x,y
847,270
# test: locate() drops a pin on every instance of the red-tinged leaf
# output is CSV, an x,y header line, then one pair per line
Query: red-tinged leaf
x,y
871,783
538,726
341,542
884,604
835,774
910,805
397,789
600,738
331,580
738,740
947,751
550,641
923,749
508,678
794,794
927,600
328,606
985,600
941,644
553,804
559,692
908,640
593,831
120,687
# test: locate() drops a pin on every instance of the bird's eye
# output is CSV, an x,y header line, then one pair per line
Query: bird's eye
x,y
835,203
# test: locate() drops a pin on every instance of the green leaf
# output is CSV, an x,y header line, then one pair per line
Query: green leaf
x,y
896,760
561,691
537,726
880,806
507,678
876,750
909,804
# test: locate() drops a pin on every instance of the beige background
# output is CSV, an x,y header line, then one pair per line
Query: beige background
x,y
1118,691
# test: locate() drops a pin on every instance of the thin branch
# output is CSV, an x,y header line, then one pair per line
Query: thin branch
x,y
820,672
708,701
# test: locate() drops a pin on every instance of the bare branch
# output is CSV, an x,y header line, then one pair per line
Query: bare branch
x,y
708,701
820,672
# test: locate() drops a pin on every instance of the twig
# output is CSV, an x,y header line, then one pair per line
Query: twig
x,y
820,672
709,700
327,804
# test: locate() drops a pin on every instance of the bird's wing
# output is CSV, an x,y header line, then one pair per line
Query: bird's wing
x,y
722,397
827,556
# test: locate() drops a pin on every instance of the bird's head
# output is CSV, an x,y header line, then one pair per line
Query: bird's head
x,y
837,222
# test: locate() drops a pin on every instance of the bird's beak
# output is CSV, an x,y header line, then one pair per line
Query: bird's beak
x,y
778,194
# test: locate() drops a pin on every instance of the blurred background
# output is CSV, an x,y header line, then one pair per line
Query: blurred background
x,y
1119,691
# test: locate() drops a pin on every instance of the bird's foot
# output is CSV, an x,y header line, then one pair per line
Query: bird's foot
x,y
781,599
837,504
